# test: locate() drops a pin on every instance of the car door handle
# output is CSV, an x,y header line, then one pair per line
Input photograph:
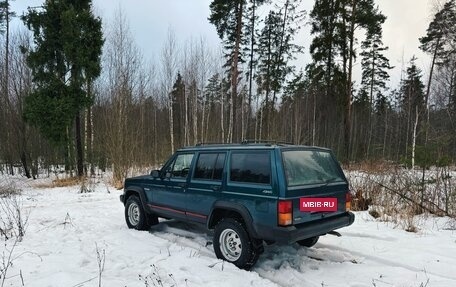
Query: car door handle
x,y
215,187
183,185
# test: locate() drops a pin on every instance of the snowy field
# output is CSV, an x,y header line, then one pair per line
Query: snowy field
x,y
66,230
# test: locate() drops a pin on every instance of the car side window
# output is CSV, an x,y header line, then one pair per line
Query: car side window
x,y
209,166
252,167
180,167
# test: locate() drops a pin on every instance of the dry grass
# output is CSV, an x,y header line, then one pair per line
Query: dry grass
x,y
393,194
61,182
8,189
118,184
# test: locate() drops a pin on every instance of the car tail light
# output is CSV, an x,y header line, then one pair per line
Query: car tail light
x,y
285,212
348,199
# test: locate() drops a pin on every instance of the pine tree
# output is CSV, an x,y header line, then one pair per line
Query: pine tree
x,y
412,104
217,90
440,42
412,89
179,100
227,17
440,38
275,51
375,68
5,17
334,24
251,29
66,57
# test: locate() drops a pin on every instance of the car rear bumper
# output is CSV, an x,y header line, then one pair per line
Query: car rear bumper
x,y
291,234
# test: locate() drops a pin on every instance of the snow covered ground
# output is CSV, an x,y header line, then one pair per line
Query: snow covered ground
x,y
66,229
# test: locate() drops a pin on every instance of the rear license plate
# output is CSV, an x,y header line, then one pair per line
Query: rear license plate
x,y
318,204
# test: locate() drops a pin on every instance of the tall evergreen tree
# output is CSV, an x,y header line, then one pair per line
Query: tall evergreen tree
x,y
179,102
374,64
5,15
375,68
440,39
412,89
64,61
227,17
251,29
217,91
334,24
275,51
412,105
440,42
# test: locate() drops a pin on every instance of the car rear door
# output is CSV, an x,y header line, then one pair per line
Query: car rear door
x,y
251,183
205,184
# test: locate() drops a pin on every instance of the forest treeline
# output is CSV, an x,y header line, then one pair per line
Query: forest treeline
x,y
78,92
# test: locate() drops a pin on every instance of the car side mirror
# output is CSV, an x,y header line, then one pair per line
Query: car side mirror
x,y
155,173
168,175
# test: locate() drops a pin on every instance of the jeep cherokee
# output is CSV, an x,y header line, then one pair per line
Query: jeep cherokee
x,y
247,193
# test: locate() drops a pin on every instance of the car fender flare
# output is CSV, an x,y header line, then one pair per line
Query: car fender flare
x,y
231,206
142,196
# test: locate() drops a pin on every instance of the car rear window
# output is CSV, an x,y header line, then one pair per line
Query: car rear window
x,y
252,167
310,167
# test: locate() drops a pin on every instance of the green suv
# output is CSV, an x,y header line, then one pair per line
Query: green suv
x,y
249,194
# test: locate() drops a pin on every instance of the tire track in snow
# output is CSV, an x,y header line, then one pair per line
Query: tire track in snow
x,y
387,262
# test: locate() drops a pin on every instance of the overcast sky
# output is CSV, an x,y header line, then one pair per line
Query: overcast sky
x,y
150,19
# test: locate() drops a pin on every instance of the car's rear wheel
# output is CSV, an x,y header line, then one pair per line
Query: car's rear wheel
x,y
233,244
136,217
309,242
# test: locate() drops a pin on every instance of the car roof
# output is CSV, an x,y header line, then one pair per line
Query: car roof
x,y
248,146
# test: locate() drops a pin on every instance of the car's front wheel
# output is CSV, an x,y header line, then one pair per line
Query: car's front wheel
x,y
135,216
233,244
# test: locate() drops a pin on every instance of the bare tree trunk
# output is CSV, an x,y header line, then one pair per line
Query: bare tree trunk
x,y
231,121
195,113
88,136
347,118
171,124
408,125
242,118
256,117
222,112
314,122
169,70
385,134
186,128
252,44
260,136
371,103
79,152
414,137
235,73
6,88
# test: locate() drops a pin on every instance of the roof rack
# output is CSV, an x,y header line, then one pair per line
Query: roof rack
x,y
253,141
210,143
246,142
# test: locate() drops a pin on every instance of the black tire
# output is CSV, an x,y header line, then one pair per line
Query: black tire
x,y
309,242
232,243
136,217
